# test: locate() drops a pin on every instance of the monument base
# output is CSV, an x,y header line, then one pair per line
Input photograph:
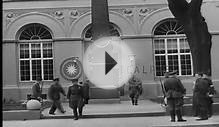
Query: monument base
x,y
98,93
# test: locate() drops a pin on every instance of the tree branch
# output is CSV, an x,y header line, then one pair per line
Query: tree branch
x,y
178,7
195,6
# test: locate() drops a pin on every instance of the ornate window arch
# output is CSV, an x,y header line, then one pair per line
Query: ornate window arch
x,y
171,49
114,31
87,34
35,52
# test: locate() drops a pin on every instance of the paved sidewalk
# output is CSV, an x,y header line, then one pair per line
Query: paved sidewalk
x,y
158,121
123,109
148,114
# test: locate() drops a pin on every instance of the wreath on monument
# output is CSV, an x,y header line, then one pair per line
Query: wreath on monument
x,y
71,68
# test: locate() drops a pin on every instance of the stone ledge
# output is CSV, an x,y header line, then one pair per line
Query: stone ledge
x,y
21,115
104,101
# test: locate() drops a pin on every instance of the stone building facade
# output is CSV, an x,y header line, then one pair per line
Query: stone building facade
x,y
39,35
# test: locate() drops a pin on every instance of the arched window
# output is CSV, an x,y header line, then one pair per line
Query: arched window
x,y
35,58
87,34
114,31
171,49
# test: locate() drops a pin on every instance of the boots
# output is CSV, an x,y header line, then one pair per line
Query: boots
x,y
133,102
203,114
136,101
172,115
179,116
75,114
80,112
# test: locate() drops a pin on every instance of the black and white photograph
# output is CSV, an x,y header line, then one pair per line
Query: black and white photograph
x,y
110,63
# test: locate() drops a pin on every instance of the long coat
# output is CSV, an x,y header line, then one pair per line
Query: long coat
x,y
174,92
174,88
75,96
200,95
85,89
54,91
36,90
135,88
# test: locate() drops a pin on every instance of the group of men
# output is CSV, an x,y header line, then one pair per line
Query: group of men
x,y
174,91
78,95
202,96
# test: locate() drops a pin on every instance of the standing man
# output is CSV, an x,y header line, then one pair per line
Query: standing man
x,y
86,88
54,94
36,89
75,96
210,94
195,107
203,89
135,89
174,93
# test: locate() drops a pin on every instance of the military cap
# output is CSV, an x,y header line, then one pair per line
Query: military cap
x,y
200,73
173,73
170,73
56,79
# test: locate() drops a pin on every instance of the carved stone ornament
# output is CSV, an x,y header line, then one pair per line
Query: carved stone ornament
x,y
74,13
128,12
143,11
59,15
10,15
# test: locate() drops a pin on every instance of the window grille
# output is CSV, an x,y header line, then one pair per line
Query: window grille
x,y
171,49
35,57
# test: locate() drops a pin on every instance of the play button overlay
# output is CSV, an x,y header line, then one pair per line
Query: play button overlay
x,y
108,63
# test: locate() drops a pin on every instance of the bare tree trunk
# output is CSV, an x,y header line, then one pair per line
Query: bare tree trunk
x,y
196,30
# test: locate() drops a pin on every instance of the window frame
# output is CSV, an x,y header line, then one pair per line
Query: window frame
x,y
30,59
179,54
42,57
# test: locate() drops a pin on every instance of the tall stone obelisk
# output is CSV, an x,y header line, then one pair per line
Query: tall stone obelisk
x,y
101,28
100,19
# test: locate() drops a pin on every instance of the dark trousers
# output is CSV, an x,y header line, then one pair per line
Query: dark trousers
x,y
134,101
175,107
203,106
56,104
204,109
210,107
77,110
134,98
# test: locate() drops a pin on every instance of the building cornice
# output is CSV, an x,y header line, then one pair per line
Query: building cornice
x,y
8,5
82,39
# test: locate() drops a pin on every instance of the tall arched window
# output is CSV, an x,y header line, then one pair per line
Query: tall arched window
x,y
35,58
171,49
114,31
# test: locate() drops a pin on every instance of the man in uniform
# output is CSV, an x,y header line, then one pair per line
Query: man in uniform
x,y
174,93
75,96
204,102
135,89
211,93
194,99
86,88
54,94
36,89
